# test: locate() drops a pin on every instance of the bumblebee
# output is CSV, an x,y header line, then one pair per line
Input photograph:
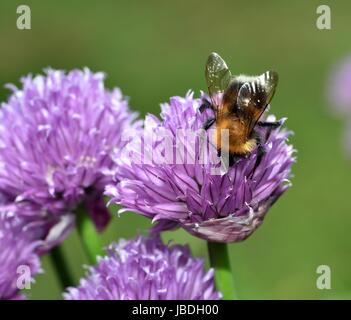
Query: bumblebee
x,y
238,103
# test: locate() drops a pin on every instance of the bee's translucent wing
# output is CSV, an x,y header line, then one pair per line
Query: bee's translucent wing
x,y
256,95
245,95
269,82
244,100
218,77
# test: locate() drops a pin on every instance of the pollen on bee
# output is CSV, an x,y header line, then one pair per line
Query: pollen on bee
x,y
250,145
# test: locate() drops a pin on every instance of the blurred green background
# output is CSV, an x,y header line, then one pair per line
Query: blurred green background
x,y
157,49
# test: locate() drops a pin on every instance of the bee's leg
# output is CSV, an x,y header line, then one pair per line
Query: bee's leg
x,y
233,159
261,151
208,123
205,105
271,125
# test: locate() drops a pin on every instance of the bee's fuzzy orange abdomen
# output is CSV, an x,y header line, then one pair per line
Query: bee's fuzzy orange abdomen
x,y
239,142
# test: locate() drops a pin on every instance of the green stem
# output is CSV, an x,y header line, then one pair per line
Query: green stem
x,y
88,235
62,270
219,260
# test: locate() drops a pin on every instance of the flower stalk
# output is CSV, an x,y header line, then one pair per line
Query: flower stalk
x,y
62,270
88,235
219,260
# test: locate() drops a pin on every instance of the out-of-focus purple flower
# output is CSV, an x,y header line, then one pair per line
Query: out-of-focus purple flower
x,y
19,261
225,207
340,88
57,135
49,229
146,269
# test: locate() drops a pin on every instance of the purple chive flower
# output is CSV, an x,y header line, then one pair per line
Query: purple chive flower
x,y
339,88
225,207
146,269
50,229
19,261
57,136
